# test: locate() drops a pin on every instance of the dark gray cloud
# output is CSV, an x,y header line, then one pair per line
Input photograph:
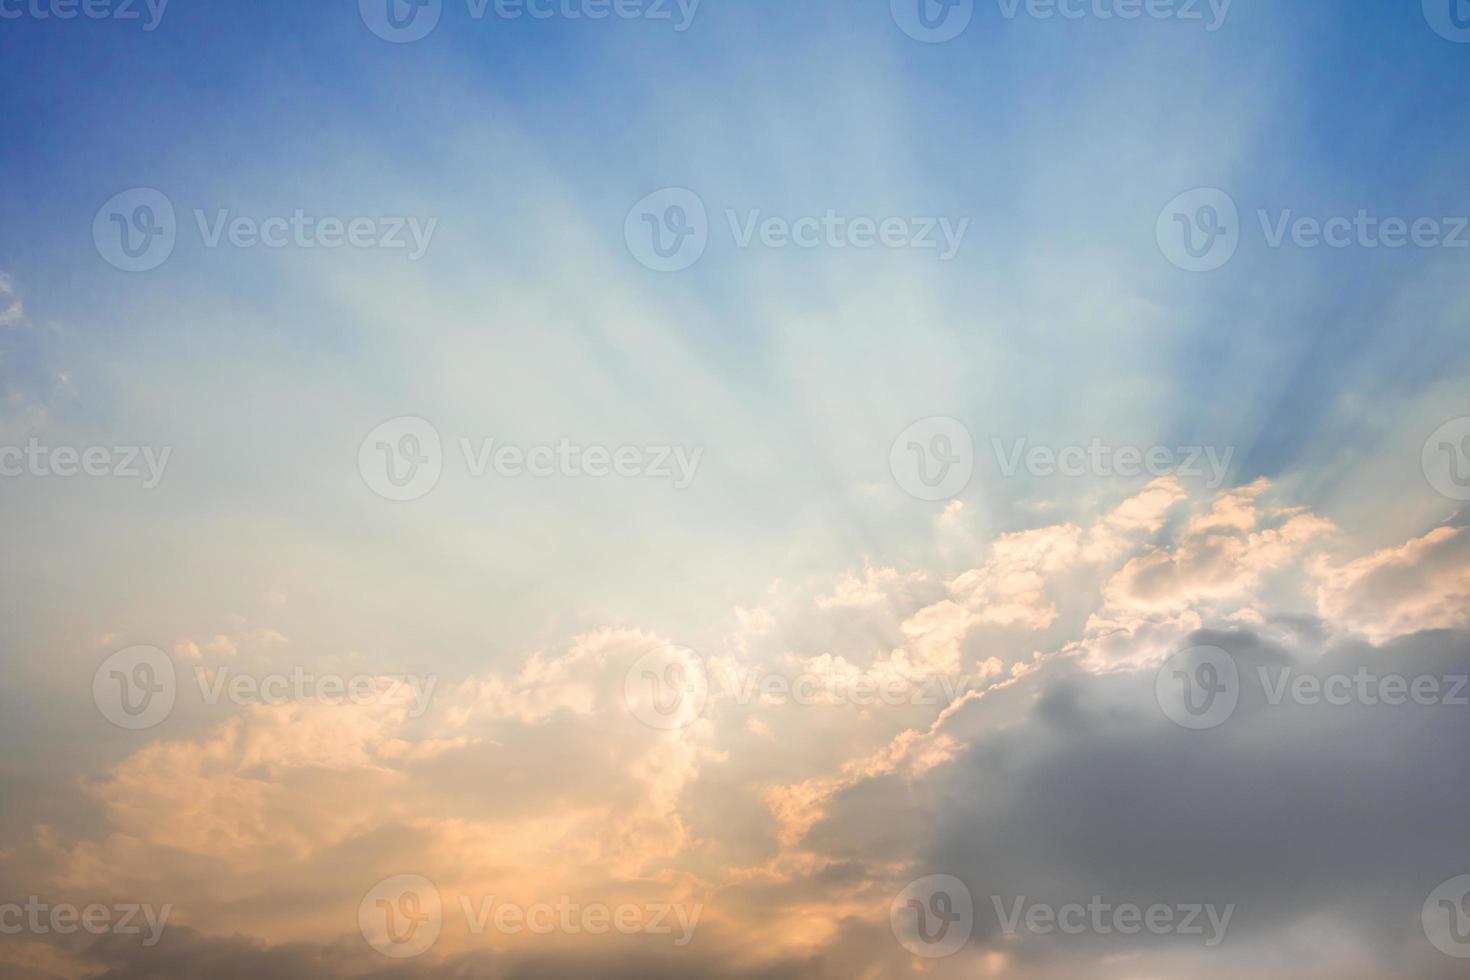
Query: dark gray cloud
x,y
1305,818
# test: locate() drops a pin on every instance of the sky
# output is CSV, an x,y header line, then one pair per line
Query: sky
x,y
656,488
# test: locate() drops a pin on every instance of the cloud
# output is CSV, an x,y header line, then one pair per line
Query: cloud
x,y
221,646
185,954
1047,770
12,312
536,784
1092,791
876,585
1423,584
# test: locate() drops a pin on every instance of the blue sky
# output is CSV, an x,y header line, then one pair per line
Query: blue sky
x,y
529,140
1059,320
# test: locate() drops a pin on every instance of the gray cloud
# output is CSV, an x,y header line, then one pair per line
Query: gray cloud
x,y
1307,818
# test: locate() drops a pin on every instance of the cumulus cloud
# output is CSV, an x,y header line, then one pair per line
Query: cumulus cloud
x,y
1422,584
1043,767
